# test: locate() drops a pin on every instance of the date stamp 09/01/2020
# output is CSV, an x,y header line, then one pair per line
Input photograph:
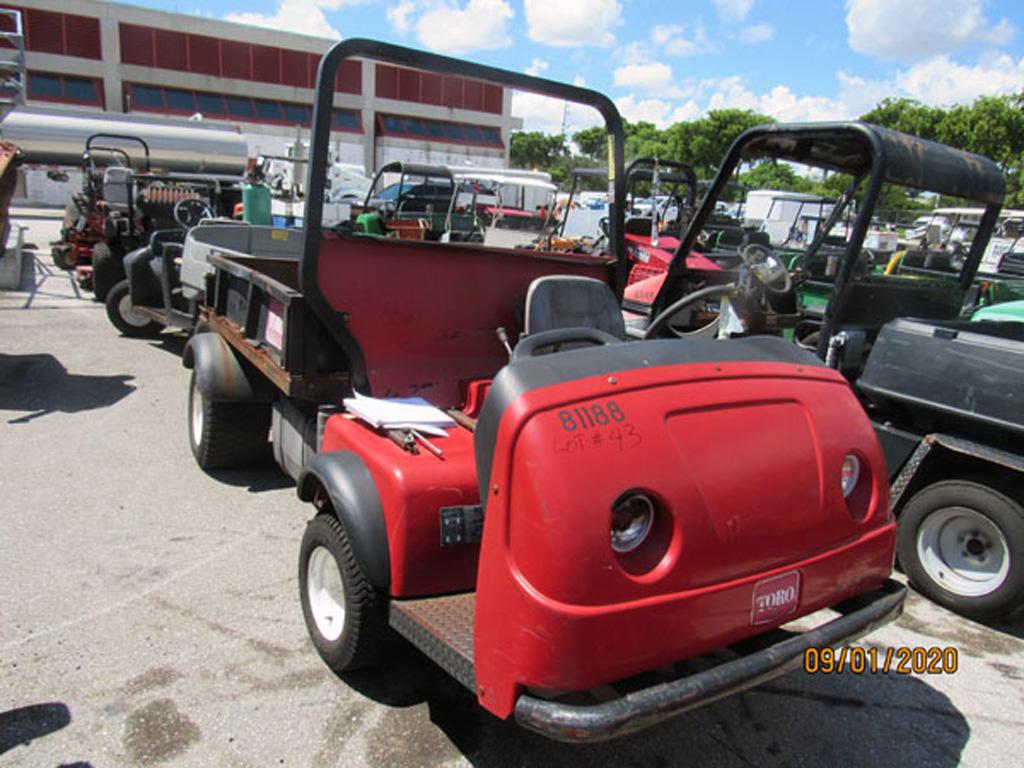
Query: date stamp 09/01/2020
x,y
901,660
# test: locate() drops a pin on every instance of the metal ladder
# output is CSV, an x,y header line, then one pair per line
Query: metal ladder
x,y
12,61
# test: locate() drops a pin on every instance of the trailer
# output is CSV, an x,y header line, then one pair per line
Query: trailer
x,y
948,406
572,540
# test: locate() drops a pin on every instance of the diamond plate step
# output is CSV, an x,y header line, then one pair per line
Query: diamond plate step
x,y
442,628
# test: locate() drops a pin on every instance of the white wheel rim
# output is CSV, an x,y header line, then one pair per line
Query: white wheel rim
x,y
197,415
326,592
128,313
962,551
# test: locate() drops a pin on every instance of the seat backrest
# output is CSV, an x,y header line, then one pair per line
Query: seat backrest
x,y
571,301
116,184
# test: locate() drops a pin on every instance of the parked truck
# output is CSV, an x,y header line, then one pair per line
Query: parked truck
x,y
601,513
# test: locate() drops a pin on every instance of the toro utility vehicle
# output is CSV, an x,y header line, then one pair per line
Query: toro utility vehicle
x,y
123,202
603,512
944,394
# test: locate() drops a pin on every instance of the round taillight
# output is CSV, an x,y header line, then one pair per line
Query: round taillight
x,y
632,520
850,474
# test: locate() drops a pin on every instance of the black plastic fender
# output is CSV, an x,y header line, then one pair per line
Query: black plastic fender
x,y
354,498
143,278
222,374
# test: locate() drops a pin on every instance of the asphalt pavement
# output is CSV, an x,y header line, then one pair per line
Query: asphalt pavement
x,y
150,611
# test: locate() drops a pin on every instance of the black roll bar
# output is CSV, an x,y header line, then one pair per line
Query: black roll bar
x,y
323,108
119,137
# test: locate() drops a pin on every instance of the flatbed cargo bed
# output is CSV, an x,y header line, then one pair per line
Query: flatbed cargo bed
x,y
956,376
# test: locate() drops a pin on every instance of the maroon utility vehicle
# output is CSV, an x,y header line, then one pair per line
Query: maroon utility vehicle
x,y
603,512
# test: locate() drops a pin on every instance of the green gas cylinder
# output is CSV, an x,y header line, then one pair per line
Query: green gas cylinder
x,y
256,203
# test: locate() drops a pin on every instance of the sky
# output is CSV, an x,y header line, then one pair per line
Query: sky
x,y
663,62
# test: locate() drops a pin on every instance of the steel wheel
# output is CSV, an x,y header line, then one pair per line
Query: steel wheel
x,y
326,593
129,315
960,549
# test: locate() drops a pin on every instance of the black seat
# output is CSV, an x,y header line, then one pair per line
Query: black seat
x,y
566,301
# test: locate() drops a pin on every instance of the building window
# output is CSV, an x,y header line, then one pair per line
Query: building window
x,y
180,101
145,98
439,130
46,86
296,113
346,120
211,105
269,111
174,101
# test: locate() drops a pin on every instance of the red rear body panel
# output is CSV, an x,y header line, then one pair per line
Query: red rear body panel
x,y
745,460
416,340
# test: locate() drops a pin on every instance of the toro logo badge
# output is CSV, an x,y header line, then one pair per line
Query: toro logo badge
x,y
775,597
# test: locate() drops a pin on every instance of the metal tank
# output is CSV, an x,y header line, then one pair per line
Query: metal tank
x,y
47,137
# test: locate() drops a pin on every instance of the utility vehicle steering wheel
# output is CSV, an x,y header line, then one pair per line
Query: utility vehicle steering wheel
x,y
767,268
189,211
685,302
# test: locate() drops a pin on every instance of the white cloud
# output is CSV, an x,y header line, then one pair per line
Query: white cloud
x,y
571,23
758,33
542,113
734,10
647,77
943,82
688,111
662,33
305,17
479,25
400,15
695,44
537,66
912,29
646,110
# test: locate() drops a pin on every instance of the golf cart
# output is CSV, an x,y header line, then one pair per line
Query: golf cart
x,y
569,540
944,395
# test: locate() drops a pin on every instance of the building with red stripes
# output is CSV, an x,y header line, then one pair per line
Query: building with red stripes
x,y
109,58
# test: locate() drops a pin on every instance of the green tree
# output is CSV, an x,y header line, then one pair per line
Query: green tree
x,y
772,175
908,116
592,142
703,143
536,150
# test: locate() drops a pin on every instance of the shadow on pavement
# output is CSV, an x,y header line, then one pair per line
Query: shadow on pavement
x,y
797,719
172,342
265,476
39,385
26,724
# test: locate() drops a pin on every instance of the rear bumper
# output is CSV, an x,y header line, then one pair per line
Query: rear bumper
x,y
643,708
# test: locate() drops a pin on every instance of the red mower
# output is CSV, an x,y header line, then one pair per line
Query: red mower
x,y
601,515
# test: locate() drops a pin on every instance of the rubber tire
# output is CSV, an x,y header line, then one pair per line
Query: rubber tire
x,y
233,435
107,270
366,636
150,330
1005,513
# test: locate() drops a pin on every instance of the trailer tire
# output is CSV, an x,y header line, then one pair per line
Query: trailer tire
x,y
122,314
332,583
225,434
961,543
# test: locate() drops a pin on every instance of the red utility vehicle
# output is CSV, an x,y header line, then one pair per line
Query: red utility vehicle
x,y
603,512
